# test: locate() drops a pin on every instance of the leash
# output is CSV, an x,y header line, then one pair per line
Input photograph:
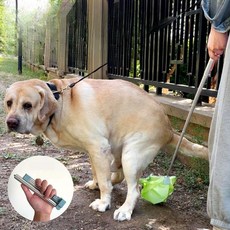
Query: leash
x,y
57,93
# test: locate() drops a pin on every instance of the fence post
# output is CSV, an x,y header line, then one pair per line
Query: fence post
x,y
97,36
62,55
47,52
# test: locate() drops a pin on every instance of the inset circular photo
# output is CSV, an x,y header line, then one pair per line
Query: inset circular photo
x,y
40,188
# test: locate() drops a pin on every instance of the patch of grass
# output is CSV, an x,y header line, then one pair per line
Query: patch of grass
x,y
2,130
195,132
10,66
13,156
76,180
198,134
176,122
2,211
9,155
200,168
194,178
63,160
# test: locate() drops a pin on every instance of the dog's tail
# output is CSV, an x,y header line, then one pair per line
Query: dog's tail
x,y
187,147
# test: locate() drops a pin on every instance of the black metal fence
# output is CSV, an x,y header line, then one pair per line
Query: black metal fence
x,y
160,43
77,38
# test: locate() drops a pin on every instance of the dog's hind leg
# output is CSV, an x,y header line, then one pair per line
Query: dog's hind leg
x,y
135,159
92,184
117,175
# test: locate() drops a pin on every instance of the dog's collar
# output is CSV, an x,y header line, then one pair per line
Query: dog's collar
x,y
51,117
53,88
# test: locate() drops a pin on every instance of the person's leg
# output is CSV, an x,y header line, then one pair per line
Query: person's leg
x,y
218,204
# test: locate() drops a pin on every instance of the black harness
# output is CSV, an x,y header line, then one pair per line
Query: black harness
x,y
53,88
56,94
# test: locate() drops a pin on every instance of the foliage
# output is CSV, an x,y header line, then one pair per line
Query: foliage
x,y
3,210
55,2
9,155
7,29
34,48
55,6
31,24
2,34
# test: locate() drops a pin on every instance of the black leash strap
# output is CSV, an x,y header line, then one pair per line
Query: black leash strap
x,y
73,84
56,92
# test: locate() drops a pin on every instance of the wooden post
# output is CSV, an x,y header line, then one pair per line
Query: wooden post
x,y
97,36
63,36
47,54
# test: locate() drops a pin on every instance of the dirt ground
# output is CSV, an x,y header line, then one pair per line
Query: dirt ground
x,y
184,210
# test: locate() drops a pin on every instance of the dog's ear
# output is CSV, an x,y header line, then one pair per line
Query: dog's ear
x,y
48,104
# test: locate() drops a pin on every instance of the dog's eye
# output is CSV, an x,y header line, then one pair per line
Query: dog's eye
x,y
9,103
27,106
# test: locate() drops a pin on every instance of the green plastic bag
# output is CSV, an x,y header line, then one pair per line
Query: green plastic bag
x,y
156,189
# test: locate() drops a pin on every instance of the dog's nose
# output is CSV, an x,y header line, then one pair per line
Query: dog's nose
x,y
12,123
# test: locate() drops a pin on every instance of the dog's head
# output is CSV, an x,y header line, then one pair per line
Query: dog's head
x,y
29,105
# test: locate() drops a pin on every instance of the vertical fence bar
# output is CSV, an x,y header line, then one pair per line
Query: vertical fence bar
x,y
142,38
135,38
150,36
147,20
165,52
156,35
156,40
77,37
160,47
191,25
186,28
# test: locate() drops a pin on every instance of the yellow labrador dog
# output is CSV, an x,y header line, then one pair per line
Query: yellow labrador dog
x,y
118,124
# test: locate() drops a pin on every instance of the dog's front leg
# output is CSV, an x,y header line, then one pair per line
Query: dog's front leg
x,y
101,163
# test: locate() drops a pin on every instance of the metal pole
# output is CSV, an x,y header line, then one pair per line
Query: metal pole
x,y
194,103
19,38
16,23
19,51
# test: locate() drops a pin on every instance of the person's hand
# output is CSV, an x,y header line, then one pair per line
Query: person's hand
x,y
41,208
216,44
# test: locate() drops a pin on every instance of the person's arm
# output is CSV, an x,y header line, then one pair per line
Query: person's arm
x,y
218,13
216,43
41,217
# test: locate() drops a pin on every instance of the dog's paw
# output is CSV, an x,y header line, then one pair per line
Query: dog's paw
x,y
122,214
92,184
100,205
